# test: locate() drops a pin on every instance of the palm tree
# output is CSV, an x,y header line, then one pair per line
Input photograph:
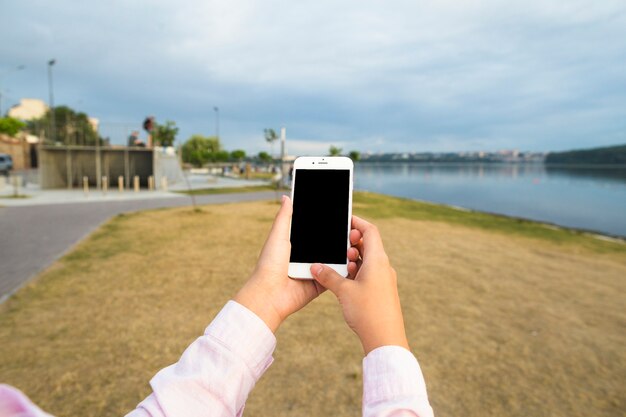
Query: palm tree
x,y
271,137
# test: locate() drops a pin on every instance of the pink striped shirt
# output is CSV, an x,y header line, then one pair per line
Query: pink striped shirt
x,y
216,373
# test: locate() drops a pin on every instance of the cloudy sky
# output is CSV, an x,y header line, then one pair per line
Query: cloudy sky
x,y
367,75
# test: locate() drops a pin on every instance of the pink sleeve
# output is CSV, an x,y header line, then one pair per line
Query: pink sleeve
x,y
393,384
13,403
217,371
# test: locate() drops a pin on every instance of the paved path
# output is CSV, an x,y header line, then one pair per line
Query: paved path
x,y
33,237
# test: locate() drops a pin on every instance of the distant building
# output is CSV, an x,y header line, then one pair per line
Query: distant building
x,y
28,109
95,123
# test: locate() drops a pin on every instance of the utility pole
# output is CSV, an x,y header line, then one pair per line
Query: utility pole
x,y
52,114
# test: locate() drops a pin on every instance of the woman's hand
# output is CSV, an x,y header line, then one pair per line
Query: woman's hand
x,y
270,293
369,300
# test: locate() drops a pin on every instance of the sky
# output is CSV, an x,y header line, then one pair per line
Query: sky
x,y
373,76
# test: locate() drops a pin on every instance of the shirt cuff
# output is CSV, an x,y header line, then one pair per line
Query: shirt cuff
x,y
392,373
245,334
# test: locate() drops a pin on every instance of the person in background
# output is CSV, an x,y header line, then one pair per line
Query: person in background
x,y
217,372
133,140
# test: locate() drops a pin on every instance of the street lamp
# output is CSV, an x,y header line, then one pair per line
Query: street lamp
x,y
52,115
217,121
18,68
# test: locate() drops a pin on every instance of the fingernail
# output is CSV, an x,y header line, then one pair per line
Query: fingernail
x,y
284,198
317,269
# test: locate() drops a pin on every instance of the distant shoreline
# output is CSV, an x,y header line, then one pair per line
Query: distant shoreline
x,y
535,163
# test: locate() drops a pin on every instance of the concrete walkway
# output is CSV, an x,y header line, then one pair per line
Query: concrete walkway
x,y
33,236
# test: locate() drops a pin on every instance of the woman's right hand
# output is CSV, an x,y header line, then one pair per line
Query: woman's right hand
x,y
369,298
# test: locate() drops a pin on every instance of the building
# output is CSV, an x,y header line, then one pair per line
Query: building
x,y
28,109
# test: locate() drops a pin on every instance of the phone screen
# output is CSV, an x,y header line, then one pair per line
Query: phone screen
x,y
319,226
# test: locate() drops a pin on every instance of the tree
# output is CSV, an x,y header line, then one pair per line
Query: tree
x,y
72,127
270,137
265,157
164,135
198,150
334,151
238,154
355,155
220,156
10,126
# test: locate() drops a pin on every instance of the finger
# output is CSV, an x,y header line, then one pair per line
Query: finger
x,y
312,288
282,222
318,287
355,237
371,236
328,278
353,269
354,263
353,254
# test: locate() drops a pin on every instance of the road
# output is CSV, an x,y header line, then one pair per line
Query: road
x,y
33,237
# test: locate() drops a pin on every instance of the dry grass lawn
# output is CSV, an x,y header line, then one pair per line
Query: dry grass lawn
x,y
503,323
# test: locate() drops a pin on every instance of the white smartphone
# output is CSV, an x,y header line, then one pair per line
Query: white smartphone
x,y
322,210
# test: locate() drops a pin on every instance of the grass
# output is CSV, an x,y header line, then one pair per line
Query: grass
x,y
229,190
505,319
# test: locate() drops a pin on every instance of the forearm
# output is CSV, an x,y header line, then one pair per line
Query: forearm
x,y
217,371
393,384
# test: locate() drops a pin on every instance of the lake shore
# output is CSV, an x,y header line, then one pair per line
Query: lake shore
x,y
585,198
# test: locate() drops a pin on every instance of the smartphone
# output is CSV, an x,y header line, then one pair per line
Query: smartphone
x,y
322,209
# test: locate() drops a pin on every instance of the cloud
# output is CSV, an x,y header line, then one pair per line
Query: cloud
x,y
400,75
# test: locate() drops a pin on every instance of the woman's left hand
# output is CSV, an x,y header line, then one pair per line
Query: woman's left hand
x,y
270,293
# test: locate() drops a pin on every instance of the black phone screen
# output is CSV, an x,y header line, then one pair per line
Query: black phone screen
x,y
319,226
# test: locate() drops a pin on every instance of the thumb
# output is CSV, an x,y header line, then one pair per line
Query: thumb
x,y
328,278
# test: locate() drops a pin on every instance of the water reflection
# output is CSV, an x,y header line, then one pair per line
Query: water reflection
x,y
611,174
582,197
514,171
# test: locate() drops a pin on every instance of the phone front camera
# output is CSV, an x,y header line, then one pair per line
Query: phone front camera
x,y
313,163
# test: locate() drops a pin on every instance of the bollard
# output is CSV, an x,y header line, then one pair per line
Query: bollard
x,y
136,183
120,183
16,185
86,185
105,184
164,183
151,183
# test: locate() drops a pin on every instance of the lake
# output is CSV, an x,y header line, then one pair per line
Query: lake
x,y
583,198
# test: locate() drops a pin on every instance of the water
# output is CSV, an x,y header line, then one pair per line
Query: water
x,y
584,198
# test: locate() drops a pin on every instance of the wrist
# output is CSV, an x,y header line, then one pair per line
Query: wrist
x,y
263,310
369,346
390,335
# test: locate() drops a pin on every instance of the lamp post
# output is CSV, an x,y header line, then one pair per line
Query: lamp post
x,y
217,121
52,114
18,68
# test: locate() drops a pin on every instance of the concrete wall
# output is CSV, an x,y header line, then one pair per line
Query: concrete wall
x,y
166,165
60,165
